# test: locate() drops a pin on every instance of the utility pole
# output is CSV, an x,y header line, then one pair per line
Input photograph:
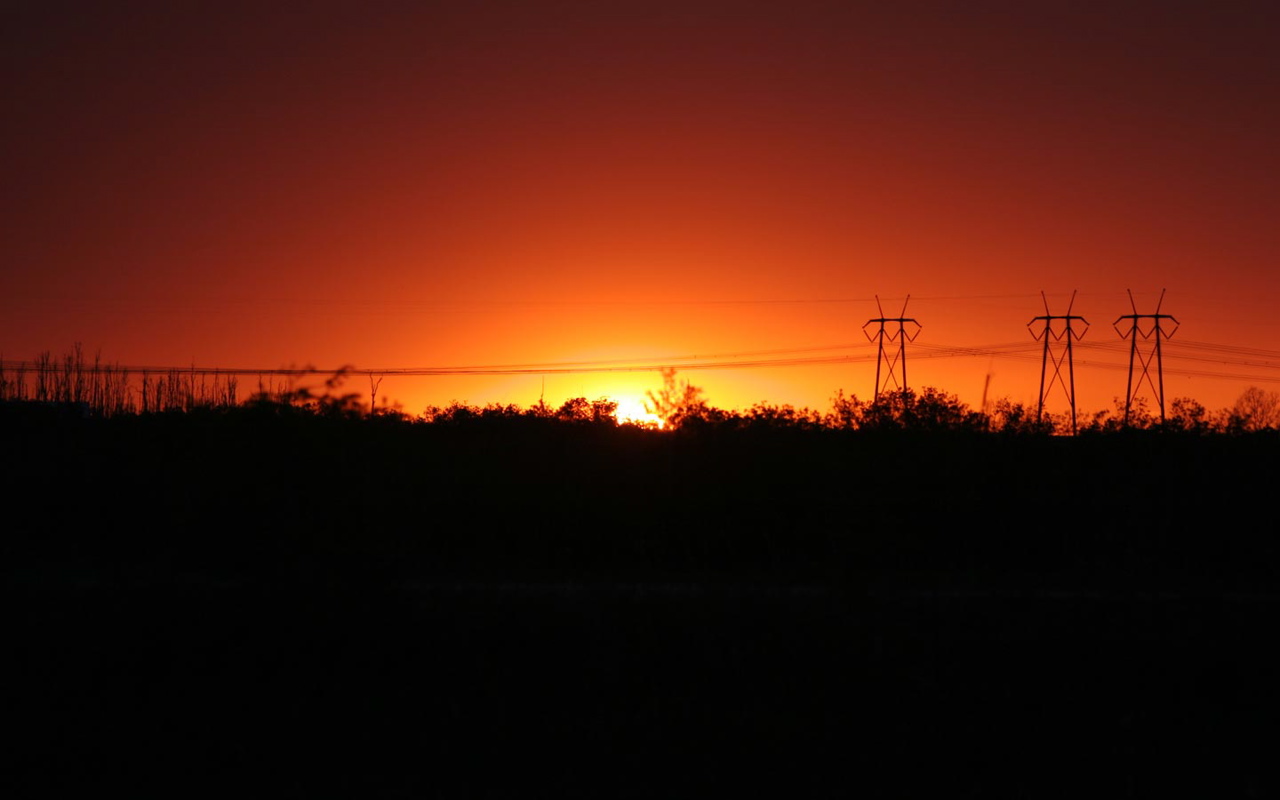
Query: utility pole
x,y
1066,335
1155,334
892,361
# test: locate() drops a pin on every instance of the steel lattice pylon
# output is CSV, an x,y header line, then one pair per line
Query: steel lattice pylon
x,y
892,361
1066,335
1155,334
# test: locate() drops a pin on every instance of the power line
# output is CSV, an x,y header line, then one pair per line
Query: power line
x,y
1229,355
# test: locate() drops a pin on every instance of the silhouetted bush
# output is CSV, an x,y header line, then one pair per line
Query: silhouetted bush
x,y
1008,417
930,410
1256,409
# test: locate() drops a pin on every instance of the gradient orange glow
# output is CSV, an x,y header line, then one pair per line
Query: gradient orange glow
x,y
392,186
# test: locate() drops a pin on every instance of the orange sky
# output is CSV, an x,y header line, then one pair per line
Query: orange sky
x,y
386,186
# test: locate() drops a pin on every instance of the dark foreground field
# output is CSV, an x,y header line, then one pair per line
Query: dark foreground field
x,y
254,605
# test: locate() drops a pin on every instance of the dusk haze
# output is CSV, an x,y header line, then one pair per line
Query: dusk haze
x,y
637,185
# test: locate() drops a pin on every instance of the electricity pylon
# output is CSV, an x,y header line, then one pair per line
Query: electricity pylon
x,y
891,361
1066,335
1144,358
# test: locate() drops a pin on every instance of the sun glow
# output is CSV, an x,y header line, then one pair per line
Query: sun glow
x,y
631,410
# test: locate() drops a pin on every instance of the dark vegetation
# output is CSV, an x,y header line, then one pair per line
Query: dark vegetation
x,y
72,385
294,596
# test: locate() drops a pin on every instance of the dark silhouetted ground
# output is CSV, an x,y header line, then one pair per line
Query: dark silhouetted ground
x,y
276,604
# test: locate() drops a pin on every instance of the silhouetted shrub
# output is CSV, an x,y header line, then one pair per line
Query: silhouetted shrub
x,y
679,402
930,410
1256,409
1008,417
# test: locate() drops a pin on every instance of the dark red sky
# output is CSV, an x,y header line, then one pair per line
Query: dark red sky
x,y
396,184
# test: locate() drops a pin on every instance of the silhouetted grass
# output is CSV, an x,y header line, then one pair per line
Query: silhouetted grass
x,y
103,389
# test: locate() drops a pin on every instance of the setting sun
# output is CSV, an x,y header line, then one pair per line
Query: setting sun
x,y
596,193
631,410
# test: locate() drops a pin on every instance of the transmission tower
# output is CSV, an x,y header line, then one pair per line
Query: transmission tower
x,y
1064,335
885,356
1154,334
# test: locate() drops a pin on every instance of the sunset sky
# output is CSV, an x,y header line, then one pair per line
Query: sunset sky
x,y
266,184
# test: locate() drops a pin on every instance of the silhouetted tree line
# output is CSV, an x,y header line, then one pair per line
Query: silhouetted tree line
x,y
74,385
681,407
